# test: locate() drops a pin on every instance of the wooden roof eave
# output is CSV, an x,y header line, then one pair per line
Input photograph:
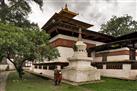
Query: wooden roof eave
x,y
100,35
114,45
127,36
74,21
47,23
56,16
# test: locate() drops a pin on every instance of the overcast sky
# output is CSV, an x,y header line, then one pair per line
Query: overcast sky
x,y
95,12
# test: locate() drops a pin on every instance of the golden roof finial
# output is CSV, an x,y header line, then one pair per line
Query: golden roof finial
x,y
66,12
66,7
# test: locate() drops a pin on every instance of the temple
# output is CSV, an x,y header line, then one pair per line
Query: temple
x,y
109,56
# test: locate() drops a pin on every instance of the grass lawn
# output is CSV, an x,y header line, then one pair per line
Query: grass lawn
x,y
33,83
111,84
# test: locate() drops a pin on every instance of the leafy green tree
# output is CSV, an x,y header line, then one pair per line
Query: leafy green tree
x,y
118,26
16,11
23,44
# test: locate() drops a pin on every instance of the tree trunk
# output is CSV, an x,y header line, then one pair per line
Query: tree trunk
x,y
20,72
18,67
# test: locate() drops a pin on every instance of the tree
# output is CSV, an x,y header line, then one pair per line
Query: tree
x,y
118,26
16,11
21,44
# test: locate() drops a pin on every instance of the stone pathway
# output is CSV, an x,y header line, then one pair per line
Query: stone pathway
x,y
3,78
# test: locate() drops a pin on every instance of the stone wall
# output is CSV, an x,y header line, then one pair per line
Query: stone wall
x,y
118,70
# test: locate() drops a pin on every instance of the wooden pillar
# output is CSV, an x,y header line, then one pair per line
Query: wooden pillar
x,y
32,67
47,67
132,54
42,67
93,53
59,67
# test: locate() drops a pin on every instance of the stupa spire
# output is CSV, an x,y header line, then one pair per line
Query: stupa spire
x,y
80,36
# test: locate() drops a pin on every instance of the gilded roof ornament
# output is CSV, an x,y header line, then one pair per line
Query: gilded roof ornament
x,y
66,7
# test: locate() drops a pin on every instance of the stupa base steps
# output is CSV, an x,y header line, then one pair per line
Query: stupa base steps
x,y
80,83
81,75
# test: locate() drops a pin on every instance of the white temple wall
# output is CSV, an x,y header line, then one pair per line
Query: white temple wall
x,y
121,57
114,50
125,73
10,64
3,67
118,58
65,52
48,73
97,59
113,58
133,74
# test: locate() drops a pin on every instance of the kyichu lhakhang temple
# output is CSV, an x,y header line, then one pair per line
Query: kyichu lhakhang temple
x,y
86,55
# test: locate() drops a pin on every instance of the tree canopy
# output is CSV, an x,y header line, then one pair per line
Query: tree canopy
x,y
16,11
118,26
21,44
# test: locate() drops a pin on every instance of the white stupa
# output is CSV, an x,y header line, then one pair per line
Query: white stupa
x,y
80,69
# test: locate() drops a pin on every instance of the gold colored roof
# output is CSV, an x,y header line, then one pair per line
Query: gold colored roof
x,y
66,7
66,12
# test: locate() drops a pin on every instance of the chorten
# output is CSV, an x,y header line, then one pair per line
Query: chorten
x,y
80,69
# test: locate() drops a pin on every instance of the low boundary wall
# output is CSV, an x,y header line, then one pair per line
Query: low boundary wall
x,y
122,70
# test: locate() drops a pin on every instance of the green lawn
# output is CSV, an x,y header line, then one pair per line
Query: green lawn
x,y
33,83
111,84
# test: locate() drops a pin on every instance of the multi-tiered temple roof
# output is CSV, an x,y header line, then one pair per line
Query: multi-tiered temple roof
x,y
64,23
